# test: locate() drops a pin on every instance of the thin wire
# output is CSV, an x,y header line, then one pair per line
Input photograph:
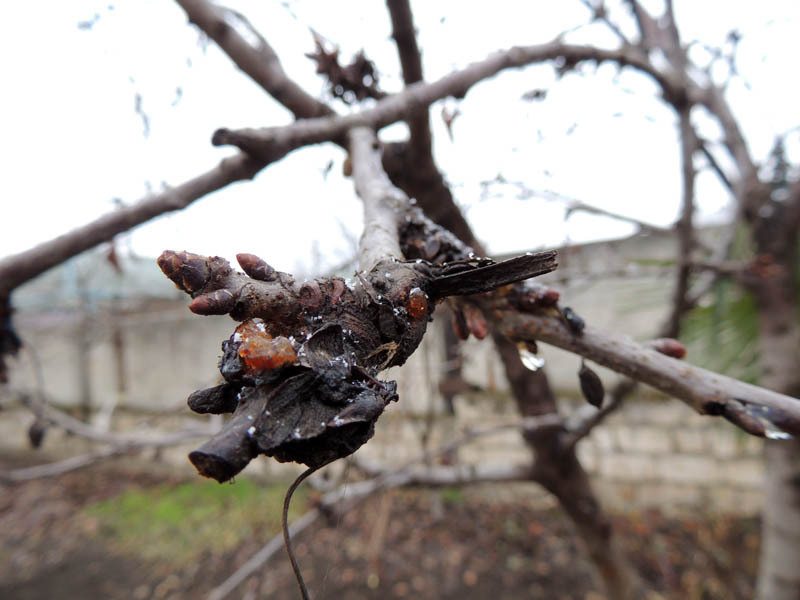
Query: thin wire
x,y
285,523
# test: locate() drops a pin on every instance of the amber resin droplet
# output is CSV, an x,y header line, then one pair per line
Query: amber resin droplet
x,y
260,351
417,303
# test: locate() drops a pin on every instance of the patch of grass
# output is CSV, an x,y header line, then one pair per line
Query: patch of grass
x,y
176,523
452,495
653,262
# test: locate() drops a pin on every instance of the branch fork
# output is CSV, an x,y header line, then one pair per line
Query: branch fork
x,y
300,370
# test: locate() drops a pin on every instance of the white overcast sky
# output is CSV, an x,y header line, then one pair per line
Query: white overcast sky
x,y
73,141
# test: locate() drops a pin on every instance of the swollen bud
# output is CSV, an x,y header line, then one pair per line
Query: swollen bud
x,y
476,322
591,386
668,346
36,433
256,267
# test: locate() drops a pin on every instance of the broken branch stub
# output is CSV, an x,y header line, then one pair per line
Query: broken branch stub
x,y
300,370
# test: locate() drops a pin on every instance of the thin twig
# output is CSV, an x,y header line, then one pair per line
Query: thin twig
x,y
16,269
382,200
404,35
348,496
575,205
259,61
714,164
287,540
84,460
600,12
585,420
685,226
273,141
703,390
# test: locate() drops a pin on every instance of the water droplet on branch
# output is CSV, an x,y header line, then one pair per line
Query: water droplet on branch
x,y
530,360
768,417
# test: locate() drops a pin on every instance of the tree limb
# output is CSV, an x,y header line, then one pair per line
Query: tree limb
x,y
382,201
19,268
714,164
117,448
51,416
300,369
259,61
575,205
684,226
599,12
587,418
404,35
268,142
707,392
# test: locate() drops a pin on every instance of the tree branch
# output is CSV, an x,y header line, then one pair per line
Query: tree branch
x,y
19,268
50,416
404,35
457,475
684,226
117,448
714,164
707,392
267,142
575,205
713,99
350,495
587,418
117,443
300,369
382,201
259,61
599,12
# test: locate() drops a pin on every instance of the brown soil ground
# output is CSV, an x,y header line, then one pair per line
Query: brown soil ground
x,y
450,544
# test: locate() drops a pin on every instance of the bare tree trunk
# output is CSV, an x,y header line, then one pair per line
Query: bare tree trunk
x,y
557,469
774,287
779,576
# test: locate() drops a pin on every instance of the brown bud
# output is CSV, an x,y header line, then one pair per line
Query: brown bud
x,y
219,302
550,297
531,295
256,267
310,295
476,322
338,286
591,386
669,346
36,433
188,271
